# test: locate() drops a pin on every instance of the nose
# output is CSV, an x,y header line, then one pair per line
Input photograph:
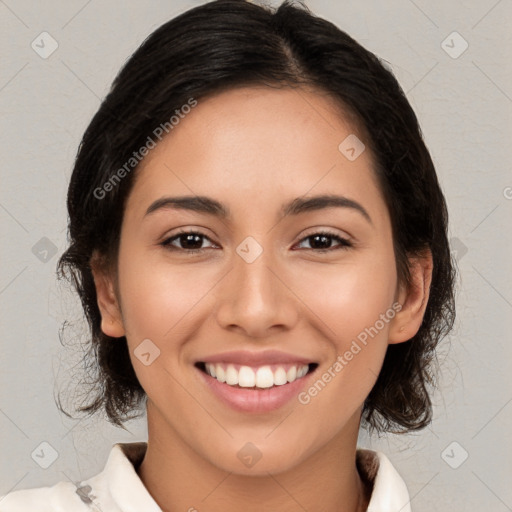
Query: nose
x,y
255,299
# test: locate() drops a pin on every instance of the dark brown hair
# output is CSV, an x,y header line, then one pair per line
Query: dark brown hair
x,y
230,43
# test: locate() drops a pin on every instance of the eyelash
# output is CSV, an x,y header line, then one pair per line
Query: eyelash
x,y
344,243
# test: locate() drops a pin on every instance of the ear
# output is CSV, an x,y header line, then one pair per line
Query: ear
x,y
413,299
111,318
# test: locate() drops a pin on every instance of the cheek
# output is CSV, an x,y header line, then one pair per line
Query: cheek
x,y
355,305
350,296
157,295
352,306
158,300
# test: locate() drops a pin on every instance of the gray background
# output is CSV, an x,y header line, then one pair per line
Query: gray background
x,y
464,107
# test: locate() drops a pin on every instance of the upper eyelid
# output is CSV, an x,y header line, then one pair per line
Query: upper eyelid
x,y
329,231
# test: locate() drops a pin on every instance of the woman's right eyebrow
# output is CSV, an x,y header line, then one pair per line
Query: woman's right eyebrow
x,y
210,206
201,204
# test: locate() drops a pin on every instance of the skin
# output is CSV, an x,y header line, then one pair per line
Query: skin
x,y
253,149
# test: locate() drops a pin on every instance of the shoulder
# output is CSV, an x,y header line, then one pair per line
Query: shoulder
x,y
63,496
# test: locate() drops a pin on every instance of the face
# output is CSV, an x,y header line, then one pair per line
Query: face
x,y
264,293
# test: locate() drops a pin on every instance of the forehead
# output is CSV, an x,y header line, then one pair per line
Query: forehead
x,y
253,143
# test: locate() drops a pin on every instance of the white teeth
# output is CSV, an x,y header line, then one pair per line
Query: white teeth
x,y
231,375
302,371
280,377
291,374
263,378
220,373
210,369
246,377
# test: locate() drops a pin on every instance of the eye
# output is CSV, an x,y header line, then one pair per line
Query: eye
x,y
321,241
190,241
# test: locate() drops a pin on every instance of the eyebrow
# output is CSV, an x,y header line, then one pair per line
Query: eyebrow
x,y
208,205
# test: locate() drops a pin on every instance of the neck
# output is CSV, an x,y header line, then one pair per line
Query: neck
x,y
179,478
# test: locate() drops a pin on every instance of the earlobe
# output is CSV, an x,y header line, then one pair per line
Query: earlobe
x,y
414,299
111,319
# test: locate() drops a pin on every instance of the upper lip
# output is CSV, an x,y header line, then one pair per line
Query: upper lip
x,y
245,357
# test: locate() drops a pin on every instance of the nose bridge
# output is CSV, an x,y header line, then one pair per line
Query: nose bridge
x,y
254,280
252,297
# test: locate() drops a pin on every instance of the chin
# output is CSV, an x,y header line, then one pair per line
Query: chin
x,y
253,458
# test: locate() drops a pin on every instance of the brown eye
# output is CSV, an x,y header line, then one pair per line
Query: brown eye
x,y
322,242
190,241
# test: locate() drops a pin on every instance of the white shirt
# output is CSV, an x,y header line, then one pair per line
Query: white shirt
x,y
118,488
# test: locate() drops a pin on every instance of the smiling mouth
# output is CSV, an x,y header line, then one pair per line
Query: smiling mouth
x,y
257,378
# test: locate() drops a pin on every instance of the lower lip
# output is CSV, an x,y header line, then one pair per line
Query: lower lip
x,y
255,400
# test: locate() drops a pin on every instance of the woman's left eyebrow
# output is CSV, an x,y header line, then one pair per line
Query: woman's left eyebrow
x,y
210,206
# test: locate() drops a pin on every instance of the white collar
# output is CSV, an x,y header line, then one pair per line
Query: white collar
x,y
119,478
389,492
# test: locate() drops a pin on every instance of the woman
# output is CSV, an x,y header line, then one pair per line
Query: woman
x,y
258,238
